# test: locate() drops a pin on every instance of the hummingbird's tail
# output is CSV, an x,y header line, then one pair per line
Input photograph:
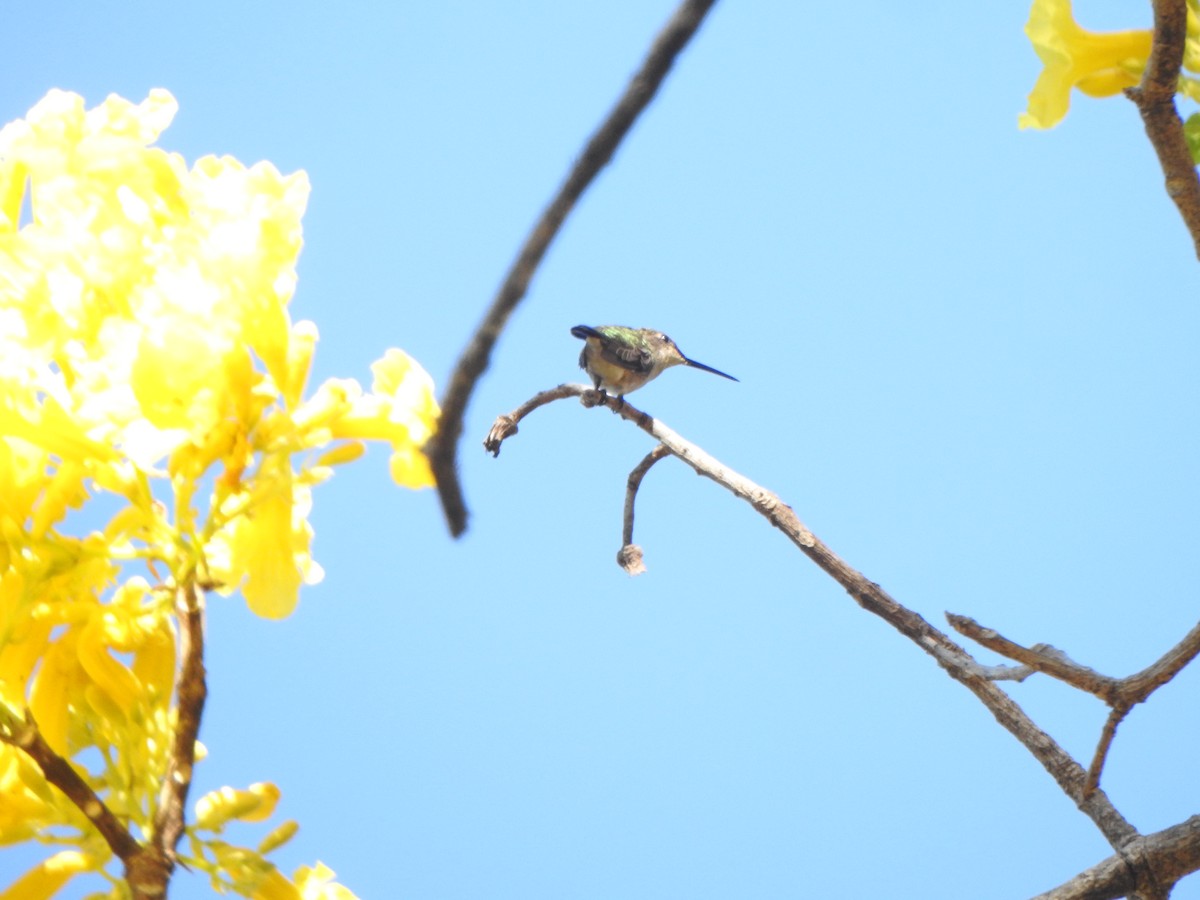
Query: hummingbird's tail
x,y
583,332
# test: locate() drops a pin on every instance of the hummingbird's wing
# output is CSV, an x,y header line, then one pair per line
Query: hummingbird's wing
x,y
635,359
615,348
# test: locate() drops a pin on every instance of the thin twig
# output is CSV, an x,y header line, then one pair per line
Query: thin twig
x,y
506,426
1141,684
1005,673
1155,99
630,555
1114,691
1115,716
1045,659
443,448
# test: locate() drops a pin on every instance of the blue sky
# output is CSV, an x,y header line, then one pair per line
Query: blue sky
x,y
967,360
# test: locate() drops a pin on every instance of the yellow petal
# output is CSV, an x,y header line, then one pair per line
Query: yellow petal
x,y
410,469
12,194
178,375
279,836
316,883
64,490
254,804
48,877
54,685
154,664
342,454
1072,56
276,886
299,361
265,545
111,676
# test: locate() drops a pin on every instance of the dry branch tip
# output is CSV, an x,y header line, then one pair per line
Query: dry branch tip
x,y
629,558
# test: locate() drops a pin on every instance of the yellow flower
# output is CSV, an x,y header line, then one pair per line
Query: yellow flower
x,y
254,804
145,284
143,315
44,880
1100,65
316,883
23,810
80,678
265,547
278,836
276,886
401,410
147,354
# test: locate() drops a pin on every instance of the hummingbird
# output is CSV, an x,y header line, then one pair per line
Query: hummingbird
x,y
620,360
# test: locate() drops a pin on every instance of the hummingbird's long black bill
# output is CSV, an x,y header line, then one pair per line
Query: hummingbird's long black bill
x,y
696,365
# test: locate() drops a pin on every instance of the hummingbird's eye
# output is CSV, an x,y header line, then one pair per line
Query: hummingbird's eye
x,y
665,338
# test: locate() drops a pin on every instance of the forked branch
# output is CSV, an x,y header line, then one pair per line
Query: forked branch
x,y
148,865
1121,694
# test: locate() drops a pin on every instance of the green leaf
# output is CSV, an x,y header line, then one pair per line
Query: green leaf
x,y
1191,131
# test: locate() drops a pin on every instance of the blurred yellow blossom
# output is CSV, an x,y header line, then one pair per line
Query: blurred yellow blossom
x,y
147,356
316,883
254,804
401,410
1098,64
48,877
148,311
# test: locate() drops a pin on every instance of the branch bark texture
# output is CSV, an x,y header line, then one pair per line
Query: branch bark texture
x,y
1155,99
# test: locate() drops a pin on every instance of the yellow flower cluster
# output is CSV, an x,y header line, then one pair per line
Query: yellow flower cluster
x,y
1098,64
152,413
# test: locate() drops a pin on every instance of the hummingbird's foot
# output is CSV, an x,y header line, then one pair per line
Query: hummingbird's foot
x,y
605,397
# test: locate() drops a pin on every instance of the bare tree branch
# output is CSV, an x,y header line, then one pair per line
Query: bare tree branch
x,y
1107,733
59,772
630,555
1137,687
1108,880
1043,657
1113,691
443,448
506,426
149,871
959,664
1147,868
192,693
148,866
1122,694
1155,99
